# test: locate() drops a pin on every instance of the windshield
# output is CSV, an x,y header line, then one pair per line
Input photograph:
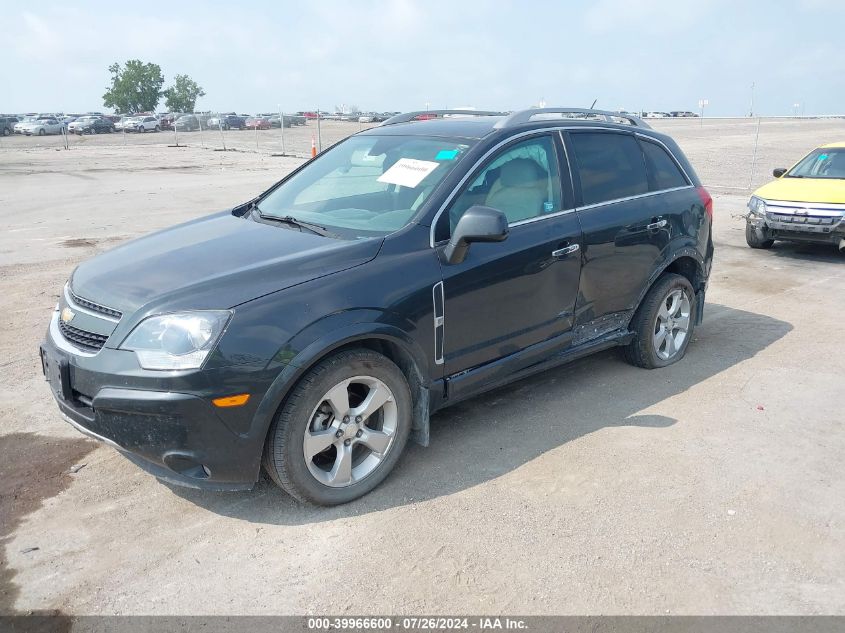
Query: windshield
x,y
366,186
824,162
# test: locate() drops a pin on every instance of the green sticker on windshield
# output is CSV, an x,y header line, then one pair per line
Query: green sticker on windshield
x,y
447,154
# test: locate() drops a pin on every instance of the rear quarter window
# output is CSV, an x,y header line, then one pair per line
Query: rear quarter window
x,y
609,166
663,171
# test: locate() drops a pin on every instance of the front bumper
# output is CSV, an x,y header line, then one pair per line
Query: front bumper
x,y
162,421
791,221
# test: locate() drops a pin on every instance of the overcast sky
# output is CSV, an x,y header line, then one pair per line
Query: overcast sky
x,y
402,54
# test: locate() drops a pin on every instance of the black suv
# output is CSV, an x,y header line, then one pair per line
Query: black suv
x,y
317,327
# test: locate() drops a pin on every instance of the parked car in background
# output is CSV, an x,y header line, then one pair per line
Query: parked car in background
x,y
313,329
227,122
276,121
143,124
166,120
90,124
123,121
683,114
806,203
656,115
7,125
42,126
23,121
186,123
257,123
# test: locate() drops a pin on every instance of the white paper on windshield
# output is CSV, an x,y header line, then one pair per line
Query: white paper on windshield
x,y
408,172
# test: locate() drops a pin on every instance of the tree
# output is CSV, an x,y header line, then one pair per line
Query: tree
x,y
183,94
135,87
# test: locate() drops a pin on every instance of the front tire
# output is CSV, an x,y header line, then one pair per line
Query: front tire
x,y
341,430
663,323
754,239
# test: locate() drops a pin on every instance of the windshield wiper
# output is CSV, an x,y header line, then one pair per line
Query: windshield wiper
x,y
289,219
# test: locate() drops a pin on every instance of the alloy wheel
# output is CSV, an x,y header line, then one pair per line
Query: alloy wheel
x,y
350,432
671,327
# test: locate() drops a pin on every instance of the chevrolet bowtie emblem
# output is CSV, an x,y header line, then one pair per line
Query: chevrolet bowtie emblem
x,y
67,315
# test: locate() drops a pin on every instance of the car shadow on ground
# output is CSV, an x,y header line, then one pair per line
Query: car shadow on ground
x,y
823,253
493,434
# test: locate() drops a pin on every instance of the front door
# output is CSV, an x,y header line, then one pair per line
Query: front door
x,y
511,295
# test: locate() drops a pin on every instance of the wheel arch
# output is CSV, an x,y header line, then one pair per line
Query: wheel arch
x,y
688,263
387,340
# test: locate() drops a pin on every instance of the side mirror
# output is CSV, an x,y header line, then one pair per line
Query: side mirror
x,y
780,171
477,224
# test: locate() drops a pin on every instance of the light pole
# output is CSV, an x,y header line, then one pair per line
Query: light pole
x,y
282,127
751,109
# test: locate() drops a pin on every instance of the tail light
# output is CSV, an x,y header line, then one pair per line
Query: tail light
x,y
706,200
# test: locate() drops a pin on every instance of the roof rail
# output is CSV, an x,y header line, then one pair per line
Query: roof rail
x,y
407,117
526,116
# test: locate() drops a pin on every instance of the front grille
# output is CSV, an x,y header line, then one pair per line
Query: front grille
x,y
95,307
87,341
803,219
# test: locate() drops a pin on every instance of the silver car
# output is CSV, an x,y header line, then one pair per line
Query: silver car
x,y
22,123
42,126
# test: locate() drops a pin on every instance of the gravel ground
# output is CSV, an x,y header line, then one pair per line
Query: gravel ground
x,y
714,486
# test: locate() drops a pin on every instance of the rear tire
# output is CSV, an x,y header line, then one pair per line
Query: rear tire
x,y
342,466
157,128
754,240
663,324
41,132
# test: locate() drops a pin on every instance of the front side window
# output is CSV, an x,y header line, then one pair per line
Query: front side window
x,y
522,181
366,186
824,162
664,172
609,166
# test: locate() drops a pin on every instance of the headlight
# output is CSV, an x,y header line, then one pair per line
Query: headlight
x,y
757,205
181,340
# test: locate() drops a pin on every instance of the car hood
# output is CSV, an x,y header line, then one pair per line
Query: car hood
x,y
816,190
215,262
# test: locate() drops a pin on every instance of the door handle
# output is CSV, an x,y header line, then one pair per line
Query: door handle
x,y
659,224
566,250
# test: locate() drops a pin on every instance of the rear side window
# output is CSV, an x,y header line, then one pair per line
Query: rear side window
x,y
662,169
609,166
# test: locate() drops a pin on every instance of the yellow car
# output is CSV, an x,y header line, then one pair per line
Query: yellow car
x,y
805,204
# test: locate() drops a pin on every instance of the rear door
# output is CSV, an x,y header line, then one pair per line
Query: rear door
x,y
626,227
507,296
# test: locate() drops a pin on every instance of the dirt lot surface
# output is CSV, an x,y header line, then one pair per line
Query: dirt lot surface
x,y
715,486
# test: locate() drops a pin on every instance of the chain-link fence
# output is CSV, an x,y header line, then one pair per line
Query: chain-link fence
x,y
281,133
733,154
